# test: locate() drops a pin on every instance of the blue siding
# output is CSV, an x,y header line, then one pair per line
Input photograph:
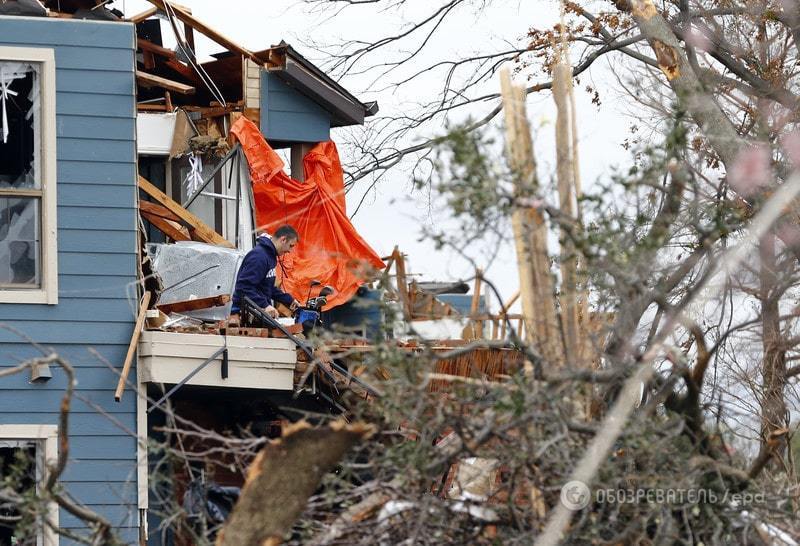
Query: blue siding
x,y
97,243
97,218
85,401
289,116
83,104
95,172
91,374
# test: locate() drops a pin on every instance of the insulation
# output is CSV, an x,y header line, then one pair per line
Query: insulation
x,y
190,270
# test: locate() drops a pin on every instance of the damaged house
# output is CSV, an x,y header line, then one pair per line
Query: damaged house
x,y
133,178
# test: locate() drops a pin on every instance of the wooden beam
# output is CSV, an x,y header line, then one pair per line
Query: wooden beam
x,y
507,305
203,232
146,45
476,294
151,80
189,33
170,228
149,60
530,232
207,31
146,14
474,307
151,107
183,70
193,305
402,283
137,330
157,210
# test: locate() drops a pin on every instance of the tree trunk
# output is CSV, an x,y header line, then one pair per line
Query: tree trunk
x,y
773,366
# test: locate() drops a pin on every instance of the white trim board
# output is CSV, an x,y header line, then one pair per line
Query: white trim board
x,y
48,292
46,437
253,362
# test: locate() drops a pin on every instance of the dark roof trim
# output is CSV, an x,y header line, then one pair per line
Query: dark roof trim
x,y
296,70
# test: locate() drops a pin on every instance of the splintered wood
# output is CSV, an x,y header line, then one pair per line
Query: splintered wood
x,y
530,233
282,478
198,230
574,310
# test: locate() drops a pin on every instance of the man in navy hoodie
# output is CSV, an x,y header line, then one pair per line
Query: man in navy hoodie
x,y
256,278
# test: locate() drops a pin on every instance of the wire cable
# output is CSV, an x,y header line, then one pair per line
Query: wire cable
x,y
190,55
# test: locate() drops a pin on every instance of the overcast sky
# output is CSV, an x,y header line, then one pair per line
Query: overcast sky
x,y
393,215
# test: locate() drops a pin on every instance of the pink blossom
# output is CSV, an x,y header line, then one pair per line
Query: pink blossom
x,y
751,171
791,144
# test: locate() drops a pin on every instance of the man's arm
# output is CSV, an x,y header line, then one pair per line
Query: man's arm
x,y
283,297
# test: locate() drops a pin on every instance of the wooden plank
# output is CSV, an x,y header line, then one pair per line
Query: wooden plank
x,y
137,330
149,60
476,294
475,304
189,33
146,45
151,80
151,107
402,283
146,14
157,210
167,227
207,31
507,305
182,69
530,234
203,232
193,305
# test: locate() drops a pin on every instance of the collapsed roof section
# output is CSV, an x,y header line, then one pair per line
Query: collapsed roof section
x,y
234,78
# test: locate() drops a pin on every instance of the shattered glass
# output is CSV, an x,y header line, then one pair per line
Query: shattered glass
x,y
20,138
20,242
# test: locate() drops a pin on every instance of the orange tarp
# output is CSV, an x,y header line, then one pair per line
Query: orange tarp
x,y
330,250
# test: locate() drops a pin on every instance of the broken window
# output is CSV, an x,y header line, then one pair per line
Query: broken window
x,y
17,473
20,175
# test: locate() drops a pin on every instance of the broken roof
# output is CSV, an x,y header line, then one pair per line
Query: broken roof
x,y
281,60
172,71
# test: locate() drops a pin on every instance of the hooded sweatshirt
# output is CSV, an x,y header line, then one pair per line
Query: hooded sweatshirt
x,y
256,278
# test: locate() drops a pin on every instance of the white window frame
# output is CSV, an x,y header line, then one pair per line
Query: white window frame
x,y
47,293
46,439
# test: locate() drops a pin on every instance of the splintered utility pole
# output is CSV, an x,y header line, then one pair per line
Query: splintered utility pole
x,y
530,232
572,297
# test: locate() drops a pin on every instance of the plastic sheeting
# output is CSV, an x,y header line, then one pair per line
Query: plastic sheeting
x,y
189,270
330,250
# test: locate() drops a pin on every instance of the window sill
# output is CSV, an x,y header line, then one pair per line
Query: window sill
x,y
33,296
